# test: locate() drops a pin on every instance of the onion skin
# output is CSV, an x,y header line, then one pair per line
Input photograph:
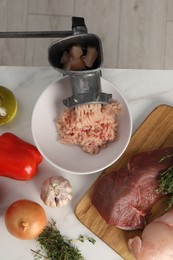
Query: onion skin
x,y
25,219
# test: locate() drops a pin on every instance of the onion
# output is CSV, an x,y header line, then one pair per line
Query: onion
x,y
25,219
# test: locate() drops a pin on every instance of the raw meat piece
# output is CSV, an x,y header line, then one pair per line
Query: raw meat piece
x,y
156,242
90,57
76,64
91,126
77,59
75,52
72,59
124,198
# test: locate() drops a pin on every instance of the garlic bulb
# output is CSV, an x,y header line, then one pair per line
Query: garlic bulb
x,y
56,191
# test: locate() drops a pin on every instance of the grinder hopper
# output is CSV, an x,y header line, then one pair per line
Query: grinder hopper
x,y
85,84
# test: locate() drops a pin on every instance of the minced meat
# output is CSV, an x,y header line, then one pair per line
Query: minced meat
x,y
91,126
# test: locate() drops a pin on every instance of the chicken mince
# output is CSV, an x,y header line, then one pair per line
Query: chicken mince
x,y
91,126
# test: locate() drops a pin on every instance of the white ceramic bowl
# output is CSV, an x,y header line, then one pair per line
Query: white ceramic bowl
x,y
71,158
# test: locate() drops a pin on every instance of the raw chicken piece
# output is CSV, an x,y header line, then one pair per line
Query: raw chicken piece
x,y
72,59
76,51
76,64
77,59
65,58
156,242
90,57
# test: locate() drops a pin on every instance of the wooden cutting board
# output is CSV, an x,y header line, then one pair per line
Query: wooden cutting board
x,y
156,131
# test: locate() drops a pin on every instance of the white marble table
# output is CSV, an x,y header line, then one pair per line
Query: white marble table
x,y
143,89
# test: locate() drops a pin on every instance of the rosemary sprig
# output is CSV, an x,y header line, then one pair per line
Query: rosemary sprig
x,y
54,246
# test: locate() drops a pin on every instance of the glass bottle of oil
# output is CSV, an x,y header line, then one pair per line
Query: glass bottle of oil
x,y
8,105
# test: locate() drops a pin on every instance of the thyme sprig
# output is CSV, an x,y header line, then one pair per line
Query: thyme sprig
x,y
166,183
54,246
83,238
165,157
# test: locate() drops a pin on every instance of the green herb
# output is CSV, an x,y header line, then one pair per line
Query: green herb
x,y
165,157
82,239
166,185
54,246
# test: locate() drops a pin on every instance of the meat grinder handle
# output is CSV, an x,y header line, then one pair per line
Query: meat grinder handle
x,y
78,26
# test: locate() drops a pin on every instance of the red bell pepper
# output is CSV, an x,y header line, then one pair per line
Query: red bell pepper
x,y
18,159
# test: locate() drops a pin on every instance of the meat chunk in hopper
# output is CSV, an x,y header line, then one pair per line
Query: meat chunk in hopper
x,y
124,198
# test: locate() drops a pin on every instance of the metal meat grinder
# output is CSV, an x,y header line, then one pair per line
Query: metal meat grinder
x,y
85,82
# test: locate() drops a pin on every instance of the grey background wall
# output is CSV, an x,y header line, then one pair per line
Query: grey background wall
x,y
134,33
